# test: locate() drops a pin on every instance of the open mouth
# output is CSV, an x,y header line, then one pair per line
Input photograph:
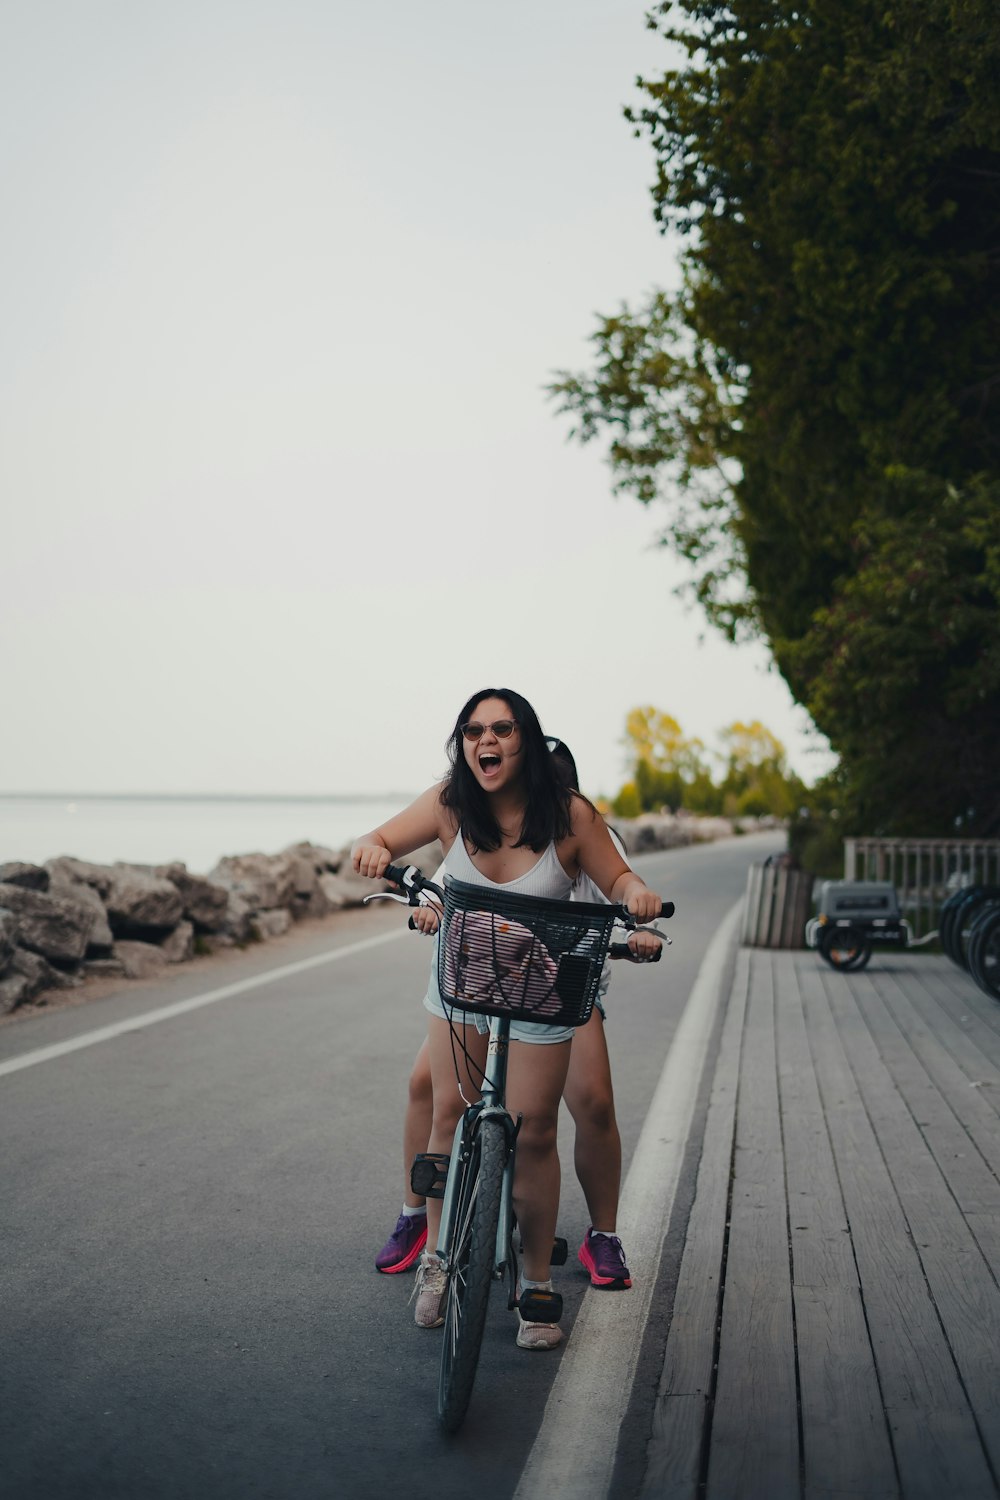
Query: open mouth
x,y
489,764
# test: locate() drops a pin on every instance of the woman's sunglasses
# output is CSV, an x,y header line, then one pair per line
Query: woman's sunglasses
x,y
502,728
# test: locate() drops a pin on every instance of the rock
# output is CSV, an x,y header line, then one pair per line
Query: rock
x,y
103,968
263,880
40,974
142,905
269,924
139,960
349,889
314,905
99,938
178,946
323,860
14,991
57,929
31,877
8,935
204,900
80,872
215,942
237,923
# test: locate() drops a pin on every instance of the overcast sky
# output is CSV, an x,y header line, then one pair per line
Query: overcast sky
x,y
280,289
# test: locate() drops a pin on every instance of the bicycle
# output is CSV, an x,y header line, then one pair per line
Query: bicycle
x,y
507,957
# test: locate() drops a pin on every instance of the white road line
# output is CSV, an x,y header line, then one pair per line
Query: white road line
x,y
181,1007
574,1452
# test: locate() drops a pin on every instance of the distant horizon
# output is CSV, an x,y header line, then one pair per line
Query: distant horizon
x,y
77,796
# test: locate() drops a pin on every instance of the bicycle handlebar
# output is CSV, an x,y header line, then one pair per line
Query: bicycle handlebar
x,y
411,881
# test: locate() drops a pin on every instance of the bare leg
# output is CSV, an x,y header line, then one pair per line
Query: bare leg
x,y
448,1102
591,1101
535,1084
419,1117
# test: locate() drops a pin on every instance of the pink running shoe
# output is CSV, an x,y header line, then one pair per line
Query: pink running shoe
x,y
602,1255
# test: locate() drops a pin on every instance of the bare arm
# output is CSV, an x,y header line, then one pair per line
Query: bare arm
x,y
602,862
420,823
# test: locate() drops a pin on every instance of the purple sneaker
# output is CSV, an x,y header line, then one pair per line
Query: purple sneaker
x,y
402,1249
602,1255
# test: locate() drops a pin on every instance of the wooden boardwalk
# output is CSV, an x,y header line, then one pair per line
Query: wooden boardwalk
x,y
836,1325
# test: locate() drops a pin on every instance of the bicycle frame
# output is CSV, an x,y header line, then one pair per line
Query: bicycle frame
x,y
492,1104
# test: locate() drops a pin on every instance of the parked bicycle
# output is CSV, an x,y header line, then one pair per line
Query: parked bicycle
x,y
506,957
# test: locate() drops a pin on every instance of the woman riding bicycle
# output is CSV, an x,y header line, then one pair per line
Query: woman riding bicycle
x,y
505,819
589,1095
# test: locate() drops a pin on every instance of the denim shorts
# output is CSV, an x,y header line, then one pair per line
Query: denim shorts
x,y
520,1031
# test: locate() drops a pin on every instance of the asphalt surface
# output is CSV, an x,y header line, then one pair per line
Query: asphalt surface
x,y
190,1211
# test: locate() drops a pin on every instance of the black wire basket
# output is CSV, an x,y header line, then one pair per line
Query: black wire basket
x,y
501,954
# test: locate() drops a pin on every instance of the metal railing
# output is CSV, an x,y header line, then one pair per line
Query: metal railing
x,y
924,871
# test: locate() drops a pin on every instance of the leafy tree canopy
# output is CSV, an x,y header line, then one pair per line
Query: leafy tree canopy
x,y
818,406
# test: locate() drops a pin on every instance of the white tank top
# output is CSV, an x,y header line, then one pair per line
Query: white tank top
x,y
545,878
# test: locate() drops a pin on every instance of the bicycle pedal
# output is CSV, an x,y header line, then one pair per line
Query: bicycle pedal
x,y
560,1252
429,1173
536,1306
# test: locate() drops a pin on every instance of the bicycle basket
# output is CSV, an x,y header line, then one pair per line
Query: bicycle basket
x,y
530,959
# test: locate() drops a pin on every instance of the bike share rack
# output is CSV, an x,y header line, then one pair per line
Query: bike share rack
x,y
969,929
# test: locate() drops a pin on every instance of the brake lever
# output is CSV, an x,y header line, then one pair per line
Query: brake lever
x,y
387,896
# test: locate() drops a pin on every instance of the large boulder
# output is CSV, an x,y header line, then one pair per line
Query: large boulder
x,y
178,946
205,901
32,877
8,935
59,930
39,974
15,989
269,924
142,905
99,938
263,880
67,870
139,960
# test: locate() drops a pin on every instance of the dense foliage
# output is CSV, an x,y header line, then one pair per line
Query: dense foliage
x,y
818,406
668,770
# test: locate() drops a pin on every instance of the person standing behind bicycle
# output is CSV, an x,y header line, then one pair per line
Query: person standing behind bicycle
x,y
505,819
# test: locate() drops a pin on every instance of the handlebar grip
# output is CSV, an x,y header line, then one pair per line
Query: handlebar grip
x,y
666,909
411,924
394,873
622,950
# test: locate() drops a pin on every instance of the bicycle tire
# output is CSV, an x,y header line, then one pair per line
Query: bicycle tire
x,y
471,1271
946,922
983,950
844,949
969,914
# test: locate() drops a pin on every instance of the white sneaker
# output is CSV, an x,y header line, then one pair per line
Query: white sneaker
x,y
430,1290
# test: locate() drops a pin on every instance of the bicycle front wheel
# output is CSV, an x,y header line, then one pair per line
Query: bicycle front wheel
x,y
471,1264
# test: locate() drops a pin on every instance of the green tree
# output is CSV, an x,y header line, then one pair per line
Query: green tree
x,y
821,396
665,763
757,781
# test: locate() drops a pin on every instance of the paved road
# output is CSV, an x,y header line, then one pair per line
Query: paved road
x,y
190,1209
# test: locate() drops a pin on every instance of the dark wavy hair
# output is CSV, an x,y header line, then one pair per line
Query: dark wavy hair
x,y
547,802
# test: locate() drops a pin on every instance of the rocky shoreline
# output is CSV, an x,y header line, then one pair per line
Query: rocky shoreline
x,y
68,920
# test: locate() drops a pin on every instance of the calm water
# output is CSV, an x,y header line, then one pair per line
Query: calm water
x,y
197,830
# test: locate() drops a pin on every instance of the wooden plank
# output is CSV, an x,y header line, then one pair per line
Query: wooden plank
x,y
684,1394
969,1177
934,1436
845,1440
965,1075
965,1295
754,1447
845,1436
970,1037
